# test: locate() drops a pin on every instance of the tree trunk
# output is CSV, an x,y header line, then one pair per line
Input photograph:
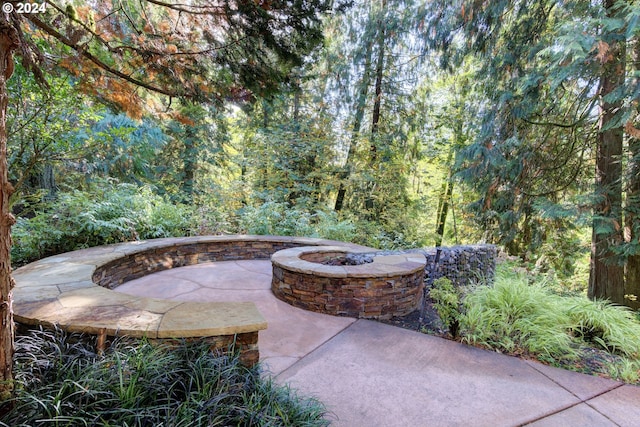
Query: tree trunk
x,y
357,124
443,201
8,43
443,209
632,211
377,104
192,141
606,278
189,163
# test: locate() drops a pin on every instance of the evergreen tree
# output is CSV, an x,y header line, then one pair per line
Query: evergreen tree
x,y
606,279
555,67
374,70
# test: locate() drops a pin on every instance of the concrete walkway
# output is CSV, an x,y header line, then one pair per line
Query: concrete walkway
x,y
372,374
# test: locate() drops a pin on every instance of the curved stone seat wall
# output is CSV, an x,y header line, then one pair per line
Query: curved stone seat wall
x,y
180,253
72,291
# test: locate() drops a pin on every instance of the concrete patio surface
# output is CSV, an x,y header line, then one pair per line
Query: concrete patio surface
x,y
371,374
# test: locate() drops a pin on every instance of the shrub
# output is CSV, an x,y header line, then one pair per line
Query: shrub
x,y
281,219
273,218
446,301
106,214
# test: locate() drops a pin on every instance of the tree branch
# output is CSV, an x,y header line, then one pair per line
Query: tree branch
x,y
560,125
52,32
187,8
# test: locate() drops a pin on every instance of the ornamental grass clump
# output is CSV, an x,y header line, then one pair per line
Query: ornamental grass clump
x,y
611,327
515,317
61,381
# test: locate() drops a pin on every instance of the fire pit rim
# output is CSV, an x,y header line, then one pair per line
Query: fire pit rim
x,y
382,265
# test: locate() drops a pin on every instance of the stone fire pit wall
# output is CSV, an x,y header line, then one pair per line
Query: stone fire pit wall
x,y
390,285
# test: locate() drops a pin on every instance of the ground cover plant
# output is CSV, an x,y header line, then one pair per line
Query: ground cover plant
x,y
61,381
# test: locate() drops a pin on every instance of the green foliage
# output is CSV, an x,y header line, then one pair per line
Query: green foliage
x,y
528,159
447,303
611,327
519,317
280,219
192,144
515,317
106,214
62,381
42,127
293,159
627,370
274,218
118,147
331,226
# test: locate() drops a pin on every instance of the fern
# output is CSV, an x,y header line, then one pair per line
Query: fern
x,y
106,214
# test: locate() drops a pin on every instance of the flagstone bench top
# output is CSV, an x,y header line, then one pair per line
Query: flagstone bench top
x,y
62,290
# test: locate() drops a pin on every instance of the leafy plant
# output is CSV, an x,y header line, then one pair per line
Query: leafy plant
x,y
118,147
62,381
281,219
516,317
107,213
447,300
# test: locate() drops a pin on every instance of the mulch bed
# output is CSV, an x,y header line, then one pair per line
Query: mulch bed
x,y
425,320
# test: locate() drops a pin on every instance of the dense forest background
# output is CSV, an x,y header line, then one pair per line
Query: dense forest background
x,y
408,123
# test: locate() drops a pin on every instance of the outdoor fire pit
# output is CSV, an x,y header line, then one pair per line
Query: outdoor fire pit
x,y
336,280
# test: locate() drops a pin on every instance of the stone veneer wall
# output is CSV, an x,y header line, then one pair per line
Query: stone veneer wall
x,y
136,265
360,297
387,286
